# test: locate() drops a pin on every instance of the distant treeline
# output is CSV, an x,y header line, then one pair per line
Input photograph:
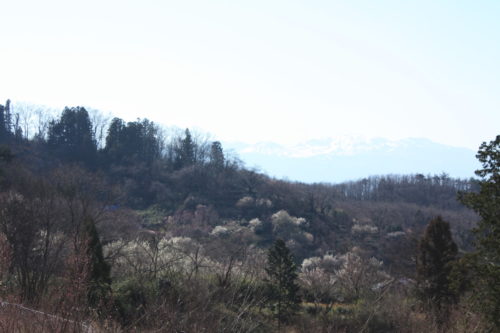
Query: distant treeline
x,y
440,190
96,139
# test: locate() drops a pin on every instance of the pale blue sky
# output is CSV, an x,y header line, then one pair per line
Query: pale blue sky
x,y
282,71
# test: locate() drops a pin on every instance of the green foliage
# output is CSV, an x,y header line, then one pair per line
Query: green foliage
x,y
216,156
71,137
436,254
134,142
282,275
132,297
99,270
484,263
5,122
185,152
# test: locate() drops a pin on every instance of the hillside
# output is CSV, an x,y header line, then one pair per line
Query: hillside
x,y
164,214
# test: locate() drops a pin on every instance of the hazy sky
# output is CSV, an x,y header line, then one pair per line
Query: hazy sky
x,y
283,71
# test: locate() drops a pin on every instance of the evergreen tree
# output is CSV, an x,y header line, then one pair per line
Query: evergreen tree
x,y
115,141
437,252
151,145
484,263
216,156
5,122
8,118
134,142
99,270
71,137
3,134
185,152
282,276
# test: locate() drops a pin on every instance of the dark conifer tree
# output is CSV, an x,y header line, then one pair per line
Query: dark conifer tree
x,y
436,254
150,143
98,269
185,154
114,140
216,156
484,264
5,122
71,137
134,142
2,123
8,117
282,276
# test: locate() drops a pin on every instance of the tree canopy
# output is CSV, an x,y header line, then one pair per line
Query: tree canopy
x,y
485,260
71,137
133,142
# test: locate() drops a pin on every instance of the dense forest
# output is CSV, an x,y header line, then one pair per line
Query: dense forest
x,y
108,225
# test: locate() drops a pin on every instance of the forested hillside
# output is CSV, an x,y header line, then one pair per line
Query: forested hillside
x,y
157,229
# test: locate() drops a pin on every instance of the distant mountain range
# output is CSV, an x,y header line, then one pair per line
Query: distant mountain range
x,y
336,160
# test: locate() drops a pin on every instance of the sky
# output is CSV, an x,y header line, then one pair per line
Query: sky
x,y
250,71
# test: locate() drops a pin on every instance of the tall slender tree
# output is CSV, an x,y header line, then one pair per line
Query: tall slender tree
x,y
5,122
99,270
282,275
216,156
185,152
437,252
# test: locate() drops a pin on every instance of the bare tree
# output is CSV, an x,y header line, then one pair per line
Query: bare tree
x,y
32,228
33,120
26,114
43,117
100,122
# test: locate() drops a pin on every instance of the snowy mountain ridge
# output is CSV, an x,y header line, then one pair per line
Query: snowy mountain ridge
x,y
346,145
354,157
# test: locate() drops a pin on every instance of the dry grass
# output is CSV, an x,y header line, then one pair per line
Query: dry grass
x,y
14,319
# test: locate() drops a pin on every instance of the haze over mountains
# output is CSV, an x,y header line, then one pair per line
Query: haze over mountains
x,y
353,157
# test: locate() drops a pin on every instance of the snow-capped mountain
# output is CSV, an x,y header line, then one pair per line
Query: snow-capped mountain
x,y
353,157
